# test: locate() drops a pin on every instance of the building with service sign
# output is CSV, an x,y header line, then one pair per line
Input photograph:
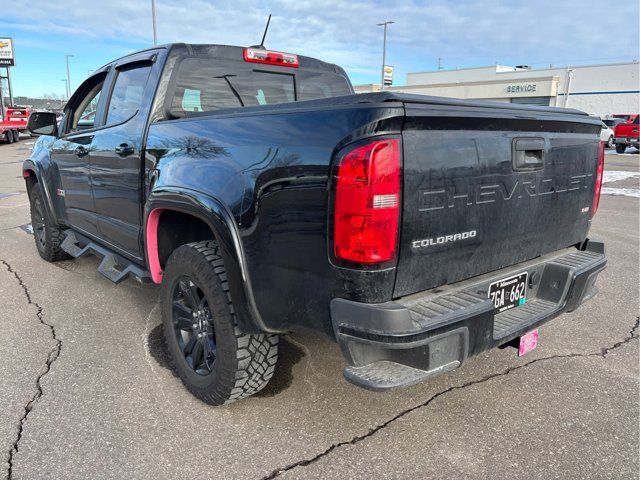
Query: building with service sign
x,y
597,89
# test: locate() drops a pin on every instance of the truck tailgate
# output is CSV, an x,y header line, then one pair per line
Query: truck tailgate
x,y
487,186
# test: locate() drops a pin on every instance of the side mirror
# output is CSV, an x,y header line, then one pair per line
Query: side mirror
x,y
42,123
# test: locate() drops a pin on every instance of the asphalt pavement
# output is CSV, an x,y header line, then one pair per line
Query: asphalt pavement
x,y
86,392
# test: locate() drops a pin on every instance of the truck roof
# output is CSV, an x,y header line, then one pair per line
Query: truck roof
x,y
229,52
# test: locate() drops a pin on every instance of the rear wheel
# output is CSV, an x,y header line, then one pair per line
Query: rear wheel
x,y
8,136
48,236
215,360
620,147
610,142
16,136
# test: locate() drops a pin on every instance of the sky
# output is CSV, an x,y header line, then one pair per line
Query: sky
x,y
463,33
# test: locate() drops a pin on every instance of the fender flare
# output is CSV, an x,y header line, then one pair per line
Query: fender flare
x,y
29,167
225,230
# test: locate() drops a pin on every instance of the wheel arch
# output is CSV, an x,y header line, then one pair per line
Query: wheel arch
x,y
30,175
197,209
33,178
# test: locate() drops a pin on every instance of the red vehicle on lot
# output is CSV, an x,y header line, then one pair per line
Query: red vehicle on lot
x,y
18,116
12,121
626,134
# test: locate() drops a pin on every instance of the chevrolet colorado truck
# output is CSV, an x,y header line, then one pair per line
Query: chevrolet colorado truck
x,y
265,197
626,133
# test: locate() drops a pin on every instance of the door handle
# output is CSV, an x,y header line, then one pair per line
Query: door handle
x,y
81,151
528,153
124,149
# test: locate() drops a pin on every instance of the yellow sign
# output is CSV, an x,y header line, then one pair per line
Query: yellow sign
x,y
7,58
388,75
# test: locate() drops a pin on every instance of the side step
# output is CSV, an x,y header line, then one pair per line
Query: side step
x,y
113,266
385,375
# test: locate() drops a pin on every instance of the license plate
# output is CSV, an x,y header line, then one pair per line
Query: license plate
x,y
528,342
509,292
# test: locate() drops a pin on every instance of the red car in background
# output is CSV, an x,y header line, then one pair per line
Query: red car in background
x,y
18,116
13,121
626,134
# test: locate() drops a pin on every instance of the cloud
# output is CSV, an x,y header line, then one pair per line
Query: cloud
x,y
462,32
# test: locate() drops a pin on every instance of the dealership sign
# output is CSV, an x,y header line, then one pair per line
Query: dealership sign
x,y
6,52
522,88
388,75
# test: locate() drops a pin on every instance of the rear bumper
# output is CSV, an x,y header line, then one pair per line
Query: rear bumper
x,y
627,141
399,343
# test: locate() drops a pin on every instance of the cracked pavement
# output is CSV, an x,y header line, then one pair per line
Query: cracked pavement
x,y
51,357
86,392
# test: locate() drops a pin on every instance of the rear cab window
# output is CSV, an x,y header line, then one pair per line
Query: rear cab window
x,y
207,83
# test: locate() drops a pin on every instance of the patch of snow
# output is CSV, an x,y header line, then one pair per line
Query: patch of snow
x,y
627,192
617,175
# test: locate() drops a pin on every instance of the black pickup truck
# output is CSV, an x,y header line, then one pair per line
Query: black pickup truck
x,y
264,197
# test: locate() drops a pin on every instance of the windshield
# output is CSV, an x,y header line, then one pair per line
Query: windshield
x,y
204,84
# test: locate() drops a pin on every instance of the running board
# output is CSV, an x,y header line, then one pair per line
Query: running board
x,y
113,266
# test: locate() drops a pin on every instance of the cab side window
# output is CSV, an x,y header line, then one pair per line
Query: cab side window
x,y
127,95
83,117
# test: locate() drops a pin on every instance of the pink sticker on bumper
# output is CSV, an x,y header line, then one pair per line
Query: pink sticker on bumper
x,y
528,342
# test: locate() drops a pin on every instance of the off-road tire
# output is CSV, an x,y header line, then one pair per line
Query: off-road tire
x,y
610,142
244,363
620,147
49,248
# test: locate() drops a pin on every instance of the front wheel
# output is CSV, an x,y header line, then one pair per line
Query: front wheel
x,y
620,147
215,360
610,141
47,235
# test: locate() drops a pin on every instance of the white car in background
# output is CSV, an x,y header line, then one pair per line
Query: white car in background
x,y
606,136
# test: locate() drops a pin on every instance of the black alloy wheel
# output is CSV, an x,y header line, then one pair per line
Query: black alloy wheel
x,y
214,358
47,235
38,224
193,325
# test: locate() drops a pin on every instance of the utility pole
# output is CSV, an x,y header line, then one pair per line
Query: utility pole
x,y
153,17
567,87
1,100
66,88
68,76
384,49
11,104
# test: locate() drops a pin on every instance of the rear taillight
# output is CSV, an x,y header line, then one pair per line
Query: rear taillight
x,y
257,55
599,175
367,203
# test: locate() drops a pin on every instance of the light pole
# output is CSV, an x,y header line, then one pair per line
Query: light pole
x,y
66,88
153,17
9,86
68,76
384,49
